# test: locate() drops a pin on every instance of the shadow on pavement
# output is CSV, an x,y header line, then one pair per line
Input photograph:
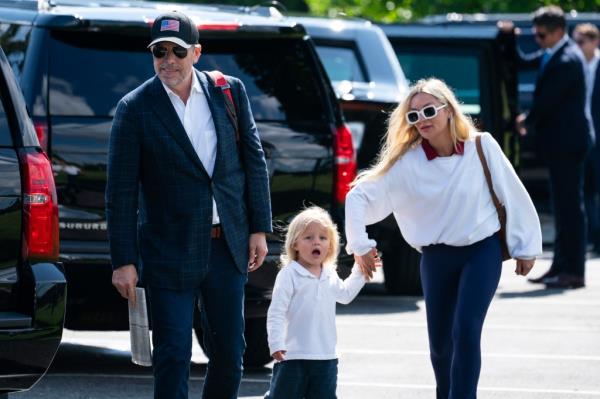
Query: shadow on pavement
x,y
78,364
365,304
539,293
78,358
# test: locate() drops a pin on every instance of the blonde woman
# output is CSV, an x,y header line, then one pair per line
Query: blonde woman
x,y
429,176
301,318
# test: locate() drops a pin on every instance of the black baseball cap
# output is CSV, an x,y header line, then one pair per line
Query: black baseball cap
x,y
174,27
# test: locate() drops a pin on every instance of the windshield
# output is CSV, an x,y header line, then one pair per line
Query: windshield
x,y
341,63
90,72
459,71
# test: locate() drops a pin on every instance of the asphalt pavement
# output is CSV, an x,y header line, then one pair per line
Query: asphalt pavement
x,y
536,344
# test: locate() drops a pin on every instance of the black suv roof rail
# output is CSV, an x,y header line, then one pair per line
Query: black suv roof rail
x,y
31,5
487,17
82,14
441,30
273,9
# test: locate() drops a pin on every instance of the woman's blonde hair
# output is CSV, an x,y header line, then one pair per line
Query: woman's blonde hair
x,y
299,223
401,136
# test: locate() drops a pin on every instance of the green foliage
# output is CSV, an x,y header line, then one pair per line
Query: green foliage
x,y
406,10
410,10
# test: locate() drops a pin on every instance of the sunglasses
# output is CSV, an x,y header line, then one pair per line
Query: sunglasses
x,y
428,112
160,51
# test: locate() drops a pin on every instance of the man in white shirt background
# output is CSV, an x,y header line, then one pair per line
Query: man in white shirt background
x,y
587,38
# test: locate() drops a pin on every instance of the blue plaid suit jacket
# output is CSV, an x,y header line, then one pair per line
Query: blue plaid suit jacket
x,y
159,196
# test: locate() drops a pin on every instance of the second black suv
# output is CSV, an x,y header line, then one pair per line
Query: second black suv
x,y
76,61
32,283
532,168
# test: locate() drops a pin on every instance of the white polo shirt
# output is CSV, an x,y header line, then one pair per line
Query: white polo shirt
x,y
198,123
301,318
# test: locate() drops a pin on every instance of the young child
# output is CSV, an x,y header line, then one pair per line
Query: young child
x,y
301,318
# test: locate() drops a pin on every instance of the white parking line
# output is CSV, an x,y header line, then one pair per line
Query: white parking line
x,y
585,328
357,384
545,302
529,356
498,300
488,389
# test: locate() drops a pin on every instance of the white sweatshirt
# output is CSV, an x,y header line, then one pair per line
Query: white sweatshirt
x,y
301,318
446,201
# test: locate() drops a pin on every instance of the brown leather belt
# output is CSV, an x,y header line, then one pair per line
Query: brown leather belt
x,y
216,231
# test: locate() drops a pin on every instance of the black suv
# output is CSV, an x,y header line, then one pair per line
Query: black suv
x,y
525,38
369,83
76,61
365,73
32,284
478,62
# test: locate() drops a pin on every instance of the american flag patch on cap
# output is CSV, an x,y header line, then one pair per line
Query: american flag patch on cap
x,y
169,24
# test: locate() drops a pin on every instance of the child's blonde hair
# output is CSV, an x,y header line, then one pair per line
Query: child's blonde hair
x,y
299,223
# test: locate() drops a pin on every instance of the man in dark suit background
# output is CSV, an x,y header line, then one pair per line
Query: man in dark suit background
x,y
188,207
562,136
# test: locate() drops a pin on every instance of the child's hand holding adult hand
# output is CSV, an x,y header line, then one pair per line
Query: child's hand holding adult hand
x,y
368,263
279,356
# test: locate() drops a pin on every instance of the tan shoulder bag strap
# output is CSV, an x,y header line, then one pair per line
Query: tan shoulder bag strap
x,y
488,175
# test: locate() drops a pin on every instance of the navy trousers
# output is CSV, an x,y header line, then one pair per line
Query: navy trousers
x,y
221,294
592,196
298,379
458,285
566,183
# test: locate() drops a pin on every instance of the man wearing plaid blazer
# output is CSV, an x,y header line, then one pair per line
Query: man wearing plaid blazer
x,y
188,207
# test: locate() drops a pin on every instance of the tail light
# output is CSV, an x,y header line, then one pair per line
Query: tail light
x,y
345,163
212,25
41,130
40,206
222,26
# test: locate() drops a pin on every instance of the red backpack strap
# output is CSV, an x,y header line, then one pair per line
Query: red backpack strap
x,y
218,80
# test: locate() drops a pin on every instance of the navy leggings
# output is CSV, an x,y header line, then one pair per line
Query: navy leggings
x,y
458,284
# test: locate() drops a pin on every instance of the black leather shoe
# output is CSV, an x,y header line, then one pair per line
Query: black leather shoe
x,y
565,281
541,279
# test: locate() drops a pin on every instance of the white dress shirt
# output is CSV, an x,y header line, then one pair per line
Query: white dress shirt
x,y
590,78
552,50
301,317
198,123
446,201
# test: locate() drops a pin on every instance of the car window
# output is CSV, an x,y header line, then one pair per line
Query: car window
x,y
14,39
459,71
280,78
90,72
5,138
341,63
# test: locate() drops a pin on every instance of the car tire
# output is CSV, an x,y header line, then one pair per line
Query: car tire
x,y
257,347
401,268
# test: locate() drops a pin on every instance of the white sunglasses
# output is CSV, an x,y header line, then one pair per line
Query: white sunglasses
x,y
428,112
